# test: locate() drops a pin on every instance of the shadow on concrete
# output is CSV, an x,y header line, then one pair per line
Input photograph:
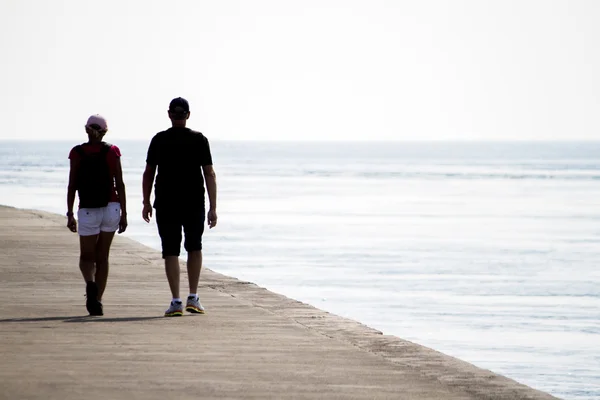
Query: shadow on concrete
x,y
80,319
116,319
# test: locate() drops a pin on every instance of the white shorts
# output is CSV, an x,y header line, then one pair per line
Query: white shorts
x,y
93,220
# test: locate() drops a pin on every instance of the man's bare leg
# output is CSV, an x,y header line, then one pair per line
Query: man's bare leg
x,y
194,265
102,253
172,270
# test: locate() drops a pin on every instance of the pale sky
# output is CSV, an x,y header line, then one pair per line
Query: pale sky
x,y
296,70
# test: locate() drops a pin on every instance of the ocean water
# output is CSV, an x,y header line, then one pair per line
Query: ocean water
x,y
488,252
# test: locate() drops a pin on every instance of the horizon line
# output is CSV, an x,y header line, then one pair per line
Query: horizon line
x,y
586,140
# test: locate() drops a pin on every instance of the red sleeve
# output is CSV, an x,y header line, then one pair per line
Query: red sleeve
x,y
73,155
115,150
112,156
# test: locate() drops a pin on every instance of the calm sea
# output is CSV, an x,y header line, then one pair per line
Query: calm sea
x,y
489,252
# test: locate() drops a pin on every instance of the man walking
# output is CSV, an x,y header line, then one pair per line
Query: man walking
x,y
184,162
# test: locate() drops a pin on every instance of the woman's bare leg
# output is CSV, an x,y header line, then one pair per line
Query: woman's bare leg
x,y
101,256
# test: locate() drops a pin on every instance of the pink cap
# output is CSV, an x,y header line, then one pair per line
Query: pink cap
x,y
97,120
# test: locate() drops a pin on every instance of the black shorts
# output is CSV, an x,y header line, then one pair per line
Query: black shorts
x,y
170,222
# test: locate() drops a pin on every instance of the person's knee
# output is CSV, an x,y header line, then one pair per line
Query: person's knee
x,y
170,251
87,256
171,262
171,246
194,255
101,257
193,244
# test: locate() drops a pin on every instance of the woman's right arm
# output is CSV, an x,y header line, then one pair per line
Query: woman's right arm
x,y
71,189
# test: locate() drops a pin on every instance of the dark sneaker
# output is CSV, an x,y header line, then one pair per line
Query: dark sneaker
x,y
92,304
99,309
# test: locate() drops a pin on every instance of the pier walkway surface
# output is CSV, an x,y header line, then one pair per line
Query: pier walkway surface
x,y
250,344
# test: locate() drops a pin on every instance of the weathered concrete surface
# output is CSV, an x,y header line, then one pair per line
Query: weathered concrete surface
x,y
251,343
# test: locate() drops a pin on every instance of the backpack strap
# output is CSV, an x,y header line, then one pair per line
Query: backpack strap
x,y
79,150
105,148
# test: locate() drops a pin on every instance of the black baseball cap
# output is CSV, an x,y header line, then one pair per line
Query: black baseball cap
x,y
179,106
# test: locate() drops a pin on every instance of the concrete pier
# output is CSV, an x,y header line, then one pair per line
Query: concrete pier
x,y
251,343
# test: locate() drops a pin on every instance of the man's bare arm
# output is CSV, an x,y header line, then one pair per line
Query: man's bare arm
x,y
211,185
147,182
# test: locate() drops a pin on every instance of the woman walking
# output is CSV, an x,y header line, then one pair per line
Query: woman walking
x,y
96,175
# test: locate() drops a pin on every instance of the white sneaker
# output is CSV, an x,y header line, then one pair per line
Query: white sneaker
x,y
175,309
193,305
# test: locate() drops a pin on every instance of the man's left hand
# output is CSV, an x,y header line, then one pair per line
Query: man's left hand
x,y
211,218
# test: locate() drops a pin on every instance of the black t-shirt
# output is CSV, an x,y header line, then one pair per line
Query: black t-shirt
x,y
179,154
